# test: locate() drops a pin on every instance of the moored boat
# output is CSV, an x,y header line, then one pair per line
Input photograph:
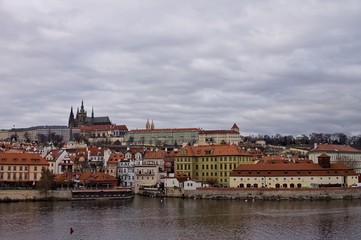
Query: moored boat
x,y
100,194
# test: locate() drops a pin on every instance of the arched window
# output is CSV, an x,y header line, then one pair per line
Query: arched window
x,y
277,185
292,185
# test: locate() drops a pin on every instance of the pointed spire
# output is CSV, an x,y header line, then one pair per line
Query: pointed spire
x,y
147,125
92,112
152,125
82,107
71,122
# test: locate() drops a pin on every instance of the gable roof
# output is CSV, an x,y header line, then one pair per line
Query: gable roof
x,y
22,159
335,148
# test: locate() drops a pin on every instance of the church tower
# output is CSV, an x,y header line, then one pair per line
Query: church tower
x,y
147,125
235,128
81,115
71,122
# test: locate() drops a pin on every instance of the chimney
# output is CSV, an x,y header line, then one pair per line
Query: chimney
x,y
324,160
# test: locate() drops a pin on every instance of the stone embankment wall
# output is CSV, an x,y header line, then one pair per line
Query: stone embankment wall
x,y
274,194
33,195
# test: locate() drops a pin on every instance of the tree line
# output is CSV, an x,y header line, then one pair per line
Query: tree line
x,y
309,141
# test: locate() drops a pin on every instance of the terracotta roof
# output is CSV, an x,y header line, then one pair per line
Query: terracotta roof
x,y
86,177
115,157
334,148
212,150
22,159
154,154
95,151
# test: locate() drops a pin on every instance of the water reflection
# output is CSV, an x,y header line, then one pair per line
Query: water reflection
x,y
153,218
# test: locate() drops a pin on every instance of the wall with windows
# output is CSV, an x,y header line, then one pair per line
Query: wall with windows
x,y
290,181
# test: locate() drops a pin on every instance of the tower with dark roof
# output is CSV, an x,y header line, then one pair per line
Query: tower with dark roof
x,y
71,122
235,128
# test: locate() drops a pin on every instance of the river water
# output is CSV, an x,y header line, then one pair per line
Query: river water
x,y
155,218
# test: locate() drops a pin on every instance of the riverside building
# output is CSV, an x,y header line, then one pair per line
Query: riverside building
x,y
212,164
338,154
298,174
21,169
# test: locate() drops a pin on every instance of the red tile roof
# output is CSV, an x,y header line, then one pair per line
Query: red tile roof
x,y
335,148
115,157
154,154
22,159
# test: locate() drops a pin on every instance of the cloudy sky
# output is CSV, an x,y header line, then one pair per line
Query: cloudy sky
x,y
275,66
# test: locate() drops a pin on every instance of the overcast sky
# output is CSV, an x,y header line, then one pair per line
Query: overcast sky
x,y
285,67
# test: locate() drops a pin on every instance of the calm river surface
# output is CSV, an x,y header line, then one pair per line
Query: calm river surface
x,y
154,218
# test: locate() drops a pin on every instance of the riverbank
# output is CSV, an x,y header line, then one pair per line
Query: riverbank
x,y
266,193
34,195
202,193
274,194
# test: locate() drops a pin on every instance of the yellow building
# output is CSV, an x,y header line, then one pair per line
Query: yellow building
x,y
210,163
290,174
23,168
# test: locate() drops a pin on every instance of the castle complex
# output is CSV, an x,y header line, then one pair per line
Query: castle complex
x,y
81,118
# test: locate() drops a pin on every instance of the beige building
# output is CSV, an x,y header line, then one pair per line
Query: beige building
x,y
146,176
21,168
339,154
169,136
209,137
288,174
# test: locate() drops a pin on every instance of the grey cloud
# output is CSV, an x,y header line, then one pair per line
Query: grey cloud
x,y
271,67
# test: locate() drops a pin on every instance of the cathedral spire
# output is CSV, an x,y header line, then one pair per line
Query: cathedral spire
x,y
92,112
147,125
71,122
82,107
152,125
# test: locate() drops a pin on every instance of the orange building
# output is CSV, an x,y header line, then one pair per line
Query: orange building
x,y
21,168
